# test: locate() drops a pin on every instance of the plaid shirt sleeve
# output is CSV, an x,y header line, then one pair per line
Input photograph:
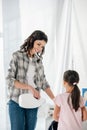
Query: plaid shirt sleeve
x,y
12,71
45,83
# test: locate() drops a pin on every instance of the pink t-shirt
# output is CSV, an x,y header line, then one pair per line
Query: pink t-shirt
x,y
68,118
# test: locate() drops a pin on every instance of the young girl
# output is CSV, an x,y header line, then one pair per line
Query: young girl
x,y
70,110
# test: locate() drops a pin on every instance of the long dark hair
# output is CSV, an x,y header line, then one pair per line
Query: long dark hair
x,y
29,42
72,78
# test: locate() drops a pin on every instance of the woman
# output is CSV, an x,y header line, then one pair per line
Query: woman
x,y
26,74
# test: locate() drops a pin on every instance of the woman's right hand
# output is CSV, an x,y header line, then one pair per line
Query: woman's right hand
x,y
35,93
20,85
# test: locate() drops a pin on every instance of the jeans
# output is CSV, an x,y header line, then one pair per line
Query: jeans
x,y
21,118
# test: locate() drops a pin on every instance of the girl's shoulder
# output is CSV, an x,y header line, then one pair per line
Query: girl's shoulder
x,y
60,98
63,95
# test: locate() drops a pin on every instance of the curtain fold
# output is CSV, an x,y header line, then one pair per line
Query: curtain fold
x,y
63,57
79,39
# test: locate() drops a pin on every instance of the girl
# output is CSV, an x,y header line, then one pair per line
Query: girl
x,y
70,110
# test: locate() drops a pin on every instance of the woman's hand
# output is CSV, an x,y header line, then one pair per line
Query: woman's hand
x,y
35,93
20,85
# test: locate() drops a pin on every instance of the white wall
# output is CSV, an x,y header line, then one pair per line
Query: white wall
x,y
2,80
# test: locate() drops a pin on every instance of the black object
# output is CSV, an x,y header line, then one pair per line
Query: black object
x,y
53,125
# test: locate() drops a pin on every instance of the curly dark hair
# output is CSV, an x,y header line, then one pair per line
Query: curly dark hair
x,y
29,42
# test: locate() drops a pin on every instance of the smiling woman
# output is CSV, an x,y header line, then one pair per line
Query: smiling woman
x,y
38,47
26,75
35,43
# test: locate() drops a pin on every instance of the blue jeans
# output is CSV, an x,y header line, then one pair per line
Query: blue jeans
x,y
21,118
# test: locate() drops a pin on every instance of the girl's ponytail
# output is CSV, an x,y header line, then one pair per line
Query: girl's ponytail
x,y
75,97
72,78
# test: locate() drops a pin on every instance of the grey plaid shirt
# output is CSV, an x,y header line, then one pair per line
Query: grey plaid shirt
x,y
18,71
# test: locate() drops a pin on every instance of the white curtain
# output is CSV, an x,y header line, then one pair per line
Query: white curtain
x,y
63,45
79,39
